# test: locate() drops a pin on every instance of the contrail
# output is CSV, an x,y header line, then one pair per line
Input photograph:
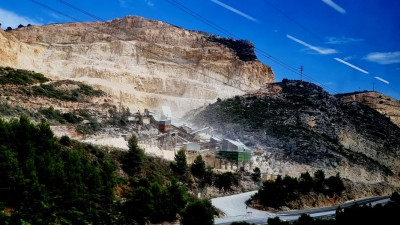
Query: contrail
x,y
351,65
317,49
334,6
384,81
235,11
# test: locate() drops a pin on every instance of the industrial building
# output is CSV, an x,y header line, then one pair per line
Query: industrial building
x,y
191,148
164,126
235,151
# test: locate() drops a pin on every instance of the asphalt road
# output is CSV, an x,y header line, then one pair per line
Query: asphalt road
x,y
235,209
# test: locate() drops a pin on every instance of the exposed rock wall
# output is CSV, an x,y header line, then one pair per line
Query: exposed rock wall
x,y
384,104
144,63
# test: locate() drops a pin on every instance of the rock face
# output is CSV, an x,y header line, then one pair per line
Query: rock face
x,y
386,105
143,63
302,128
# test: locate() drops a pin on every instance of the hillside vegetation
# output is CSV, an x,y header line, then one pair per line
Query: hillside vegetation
x,y
20,77
366,214
44,180
279,192
298,122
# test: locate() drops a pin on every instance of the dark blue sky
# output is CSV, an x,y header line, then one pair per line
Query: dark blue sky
x,y
363,35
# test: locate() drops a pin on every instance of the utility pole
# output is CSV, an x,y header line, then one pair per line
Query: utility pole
x,y
120,101
301,72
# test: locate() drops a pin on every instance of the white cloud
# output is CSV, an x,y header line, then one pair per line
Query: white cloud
x,y
149,3
329,83
320,50
351,65
123,3
383,57
126,3
383,80
11,19
235,11
334,6
342,40
55,16
347,58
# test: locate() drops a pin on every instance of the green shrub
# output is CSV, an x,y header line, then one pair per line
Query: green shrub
x,y
199,212
277,193
20,77
225,180
47,185
65,140
76,95
55,114
198,168
91,127
180,165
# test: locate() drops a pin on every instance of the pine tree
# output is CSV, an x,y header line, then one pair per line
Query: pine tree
x,y
180,165
198,167
134,159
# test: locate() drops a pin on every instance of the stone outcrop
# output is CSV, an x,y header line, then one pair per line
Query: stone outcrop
x,y
384,104
143,63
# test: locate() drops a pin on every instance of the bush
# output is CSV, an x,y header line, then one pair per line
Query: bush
x,y
20,77
305,183
276,221
53,114
91,127
65,140
198,168
135,157
47,185
198,212
207,178
241,223
277,193
180,166
256,175
76,95
225,181
71,118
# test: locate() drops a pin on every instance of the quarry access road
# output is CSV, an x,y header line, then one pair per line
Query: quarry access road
x,y
235,209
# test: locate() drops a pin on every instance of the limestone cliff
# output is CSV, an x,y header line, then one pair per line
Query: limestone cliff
x,y
384,104
144,63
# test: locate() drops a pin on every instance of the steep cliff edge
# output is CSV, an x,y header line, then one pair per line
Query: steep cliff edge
x,y
301,128
384,104
144,63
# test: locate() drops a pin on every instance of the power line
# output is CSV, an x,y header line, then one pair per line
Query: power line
x,y
139,47
231,35
213,25
294,21
310,32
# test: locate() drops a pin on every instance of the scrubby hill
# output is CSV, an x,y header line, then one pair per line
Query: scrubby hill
x,y
303,128
70,107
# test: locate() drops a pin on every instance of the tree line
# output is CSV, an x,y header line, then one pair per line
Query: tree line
x,y
44,180
356,214
279,192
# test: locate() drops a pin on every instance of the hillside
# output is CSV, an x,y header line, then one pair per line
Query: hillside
x,y
143,63
384,104
300,127
70,107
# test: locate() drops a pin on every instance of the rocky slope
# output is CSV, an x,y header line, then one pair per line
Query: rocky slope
x,y
300,127
384,104
144,63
